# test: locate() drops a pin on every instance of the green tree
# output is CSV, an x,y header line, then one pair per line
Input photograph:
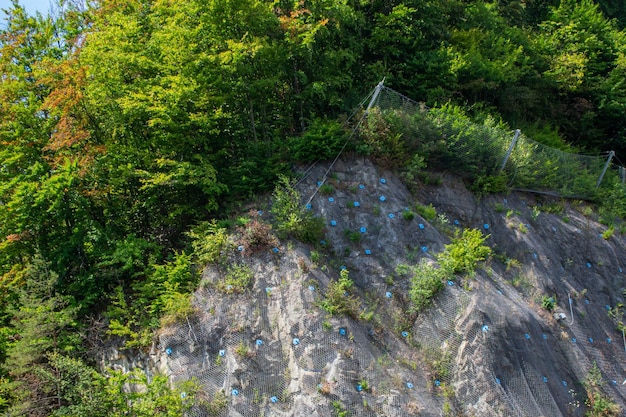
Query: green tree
x,y
43,323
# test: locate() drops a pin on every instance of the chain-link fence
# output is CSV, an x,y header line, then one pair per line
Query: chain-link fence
x,y
450,140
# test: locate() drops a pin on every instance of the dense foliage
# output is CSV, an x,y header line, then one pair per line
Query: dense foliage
x,y
126,126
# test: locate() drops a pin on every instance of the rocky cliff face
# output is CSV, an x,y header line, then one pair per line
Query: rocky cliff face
x,y
485,348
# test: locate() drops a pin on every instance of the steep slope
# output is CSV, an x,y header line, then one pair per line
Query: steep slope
x,y
485,347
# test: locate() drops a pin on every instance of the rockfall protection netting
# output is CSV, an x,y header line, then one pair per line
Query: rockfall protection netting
x,y
451,141
277,355
274,352
337,365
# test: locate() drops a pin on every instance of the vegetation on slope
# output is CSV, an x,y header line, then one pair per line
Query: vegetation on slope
x,y
126,125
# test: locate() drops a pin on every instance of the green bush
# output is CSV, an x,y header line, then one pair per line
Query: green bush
x,y
413,169
599,404
208,242
337,300
391,137
162,298
427,212
616,314
236,280
548,302
465,252
425,282
322,140
326,189
353,236
489,184
256,234
290,218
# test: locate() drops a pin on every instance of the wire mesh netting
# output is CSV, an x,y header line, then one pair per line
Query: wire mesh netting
x,y
448,139
274,352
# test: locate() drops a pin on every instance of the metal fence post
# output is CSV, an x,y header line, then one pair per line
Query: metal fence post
x,y
379,87
606,166
508,153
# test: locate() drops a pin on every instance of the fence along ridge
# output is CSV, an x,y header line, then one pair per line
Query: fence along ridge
x,y
528,164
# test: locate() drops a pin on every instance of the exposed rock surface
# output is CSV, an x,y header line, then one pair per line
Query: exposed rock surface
x,y
485,348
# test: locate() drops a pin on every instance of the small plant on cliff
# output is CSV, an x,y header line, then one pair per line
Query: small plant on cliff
x,y
326,189
242,350
408,215
338,299
426,282
599,404
608,233
465,252
427,212
208,242
339,410
353,236
237,280
256,234
616,314
291,219
548,302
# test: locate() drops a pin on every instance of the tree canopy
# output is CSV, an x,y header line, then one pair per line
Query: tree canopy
x,y
126,123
